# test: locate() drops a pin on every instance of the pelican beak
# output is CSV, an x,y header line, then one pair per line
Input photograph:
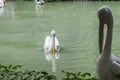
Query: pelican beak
x,y
101,35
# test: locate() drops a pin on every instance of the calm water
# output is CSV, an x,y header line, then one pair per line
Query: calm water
x,y
24,26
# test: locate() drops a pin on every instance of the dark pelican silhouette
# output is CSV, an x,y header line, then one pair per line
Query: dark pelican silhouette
x,y
108,65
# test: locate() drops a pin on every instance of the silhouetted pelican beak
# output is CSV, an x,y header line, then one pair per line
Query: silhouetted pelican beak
x,y
101,35
104,18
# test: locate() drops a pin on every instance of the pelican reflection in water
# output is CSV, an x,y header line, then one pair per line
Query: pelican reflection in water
x,y
1,11
51,49
38,9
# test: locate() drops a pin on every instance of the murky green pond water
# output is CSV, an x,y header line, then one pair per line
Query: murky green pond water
x,y
24,26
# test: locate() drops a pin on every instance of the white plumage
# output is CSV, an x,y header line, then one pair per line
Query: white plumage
x,y
52,48
51,44
1,3
39,2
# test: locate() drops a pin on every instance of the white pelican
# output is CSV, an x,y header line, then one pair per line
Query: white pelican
x,y
108,65
39,2
52,48
1,3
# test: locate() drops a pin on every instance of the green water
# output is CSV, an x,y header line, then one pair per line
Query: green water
x,y
23,28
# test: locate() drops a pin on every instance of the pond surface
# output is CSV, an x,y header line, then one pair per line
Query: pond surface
x,y
24,26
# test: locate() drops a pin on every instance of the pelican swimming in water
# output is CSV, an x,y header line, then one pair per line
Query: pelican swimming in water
x,y
52,48
39,2
108,65
1,3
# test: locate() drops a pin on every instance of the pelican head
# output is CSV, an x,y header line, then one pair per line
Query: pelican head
x,y
53,33
105,17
